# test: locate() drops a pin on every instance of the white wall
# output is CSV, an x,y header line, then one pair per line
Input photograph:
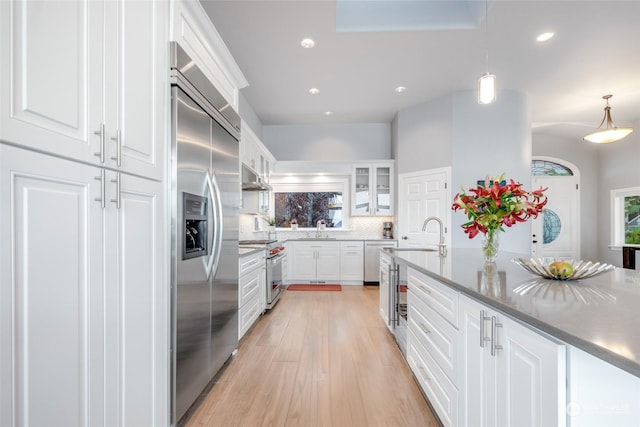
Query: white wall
x,y
337,142
618,168
585,156
249,116
491,140
422,139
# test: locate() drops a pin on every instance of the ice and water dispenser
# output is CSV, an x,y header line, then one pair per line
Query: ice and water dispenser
x,y
194,213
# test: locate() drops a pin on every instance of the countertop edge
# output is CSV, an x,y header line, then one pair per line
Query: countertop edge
x,y
614,359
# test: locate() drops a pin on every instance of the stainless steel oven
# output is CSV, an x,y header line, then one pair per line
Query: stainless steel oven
x,y
274,277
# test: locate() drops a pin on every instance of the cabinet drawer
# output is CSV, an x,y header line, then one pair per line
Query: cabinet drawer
x,y
438,296
248,314
442,394
249,262
438,336
249,287
352,248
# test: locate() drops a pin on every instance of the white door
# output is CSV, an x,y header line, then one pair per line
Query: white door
x,y
556,233
421,195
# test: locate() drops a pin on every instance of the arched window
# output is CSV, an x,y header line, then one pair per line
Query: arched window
x,y
548,168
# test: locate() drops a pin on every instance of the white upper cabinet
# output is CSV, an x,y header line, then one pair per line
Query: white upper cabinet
x,y
136,86
372,189
87,81
51,75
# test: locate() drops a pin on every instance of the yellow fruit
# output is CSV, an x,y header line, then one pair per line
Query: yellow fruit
x,y
561,269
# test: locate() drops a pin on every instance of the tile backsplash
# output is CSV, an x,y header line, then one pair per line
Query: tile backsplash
x,y
358,228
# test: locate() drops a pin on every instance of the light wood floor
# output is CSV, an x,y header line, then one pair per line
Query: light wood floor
x,y
318,359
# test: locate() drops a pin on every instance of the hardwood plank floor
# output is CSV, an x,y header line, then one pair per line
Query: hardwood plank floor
x,y
319,358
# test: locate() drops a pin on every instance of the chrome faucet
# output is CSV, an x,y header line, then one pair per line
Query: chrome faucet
x,y
442,248
320,221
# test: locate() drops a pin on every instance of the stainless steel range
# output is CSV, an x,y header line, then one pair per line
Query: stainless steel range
x,y
275,256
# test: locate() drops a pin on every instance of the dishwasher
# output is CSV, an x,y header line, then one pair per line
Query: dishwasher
x,y
372,259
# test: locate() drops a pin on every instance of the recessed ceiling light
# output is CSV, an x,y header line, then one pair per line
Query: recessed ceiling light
x,y
400,89
328,113
314,91
307,43
544,37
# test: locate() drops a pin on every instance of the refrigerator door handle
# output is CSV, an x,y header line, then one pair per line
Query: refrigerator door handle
x,y
218,226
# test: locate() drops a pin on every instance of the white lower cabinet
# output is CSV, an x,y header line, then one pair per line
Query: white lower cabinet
x,y
83,295
510,375
352,262
315,261
252,290
432,342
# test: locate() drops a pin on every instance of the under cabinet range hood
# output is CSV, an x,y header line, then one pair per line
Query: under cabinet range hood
x,y
252,182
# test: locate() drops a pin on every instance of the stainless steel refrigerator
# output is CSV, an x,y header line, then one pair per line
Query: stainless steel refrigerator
x,y
205,202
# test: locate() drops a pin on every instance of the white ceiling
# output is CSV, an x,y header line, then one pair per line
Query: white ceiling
x,y
596,51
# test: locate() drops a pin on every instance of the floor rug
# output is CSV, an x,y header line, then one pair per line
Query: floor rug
x,y
314,288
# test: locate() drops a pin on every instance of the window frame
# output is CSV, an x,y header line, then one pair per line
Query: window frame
x,y
311,184
617,216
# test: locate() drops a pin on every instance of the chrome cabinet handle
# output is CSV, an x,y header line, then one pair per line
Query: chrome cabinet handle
x,y
424,328
494,335
103,191
101,152
483,318
118,140
118,198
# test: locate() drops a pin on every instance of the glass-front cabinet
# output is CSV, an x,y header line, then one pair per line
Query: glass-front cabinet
x,y
372,189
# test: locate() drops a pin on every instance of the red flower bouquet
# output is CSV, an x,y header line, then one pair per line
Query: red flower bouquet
x,y
498,204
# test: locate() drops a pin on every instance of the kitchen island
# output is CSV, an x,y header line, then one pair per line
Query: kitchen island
x,y
591,327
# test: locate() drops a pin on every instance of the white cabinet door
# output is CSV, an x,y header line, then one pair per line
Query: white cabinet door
x,y
51,76
361,190
52,356
136,86
136,301
328,262
383,189
352,261
303,262
532,378
477,376
515,378
88,342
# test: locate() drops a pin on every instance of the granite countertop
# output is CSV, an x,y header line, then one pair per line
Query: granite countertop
x,y
600,315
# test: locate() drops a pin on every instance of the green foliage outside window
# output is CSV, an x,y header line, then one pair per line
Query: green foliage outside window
x,y
632,220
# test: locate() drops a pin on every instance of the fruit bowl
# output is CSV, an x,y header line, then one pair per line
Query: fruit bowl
x,y
563,269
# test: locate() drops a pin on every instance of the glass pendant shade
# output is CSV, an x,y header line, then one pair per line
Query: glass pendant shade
x,y
607,131
487,89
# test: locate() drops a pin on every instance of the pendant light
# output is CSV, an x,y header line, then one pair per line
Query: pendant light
x,y
486,82
607,131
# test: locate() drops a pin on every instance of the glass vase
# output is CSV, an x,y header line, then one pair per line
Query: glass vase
x,y
490,245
